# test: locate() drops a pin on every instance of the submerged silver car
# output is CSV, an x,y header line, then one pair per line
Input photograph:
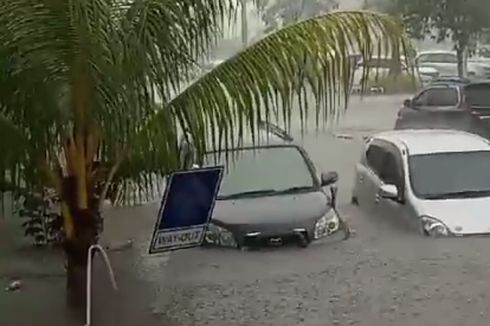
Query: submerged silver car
x,y
438,181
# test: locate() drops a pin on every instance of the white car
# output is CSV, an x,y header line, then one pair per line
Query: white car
x,y
437,181
446,63
379,67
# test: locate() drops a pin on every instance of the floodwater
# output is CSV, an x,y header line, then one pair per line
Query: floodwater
x,y
384,275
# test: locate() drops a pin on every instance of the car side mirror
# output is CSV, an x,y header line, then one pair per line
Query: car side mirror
x,y
389,191
329,178
407,103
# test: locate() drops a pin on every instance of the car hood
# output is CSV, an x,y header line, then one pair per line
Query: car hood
x,y
272,209
428,70
461,216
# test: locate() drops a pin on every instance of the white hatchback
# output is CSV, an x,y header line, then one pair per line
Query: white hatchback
x,y
436,180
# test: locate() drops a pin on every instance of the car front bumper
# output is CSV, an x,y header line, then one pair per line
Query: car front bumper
x,y
276,234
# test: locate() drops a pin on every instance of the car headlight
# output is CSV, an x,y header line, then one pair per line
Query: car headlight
x,y
219,236
434,227
327,224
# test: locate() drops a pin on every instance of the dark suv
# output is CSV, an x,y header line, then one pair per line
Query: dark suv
x,y
450,103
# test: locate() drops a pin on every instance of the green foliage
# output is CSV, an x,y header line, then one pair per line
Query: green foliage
x,y
43,221
276,13
458,20
110,77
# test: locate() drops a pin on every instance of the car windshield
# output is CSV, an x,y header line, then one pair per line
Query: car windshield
x,y
262,171
438,58
478,94
450,175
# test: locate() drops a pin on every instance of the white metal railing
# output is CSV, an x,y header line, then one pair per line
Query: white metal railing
x,y
89,278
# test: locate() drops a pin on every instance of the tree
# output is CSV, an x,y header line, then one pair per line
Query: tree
x,y
88,90
276,13
458,20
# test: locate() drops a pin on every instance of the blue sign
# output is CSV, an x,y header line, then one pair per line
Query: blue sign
x,y
186,209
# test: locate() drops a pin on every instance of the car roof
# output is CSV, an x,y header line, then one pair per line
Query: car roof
x,y
428,141
452,81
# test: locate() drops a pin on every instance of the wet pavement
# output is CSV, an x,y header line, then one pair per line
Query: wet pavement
x,y
383,275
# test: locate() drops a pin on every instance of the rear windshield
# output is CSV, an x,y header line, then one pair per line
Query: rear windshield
x,y
478,94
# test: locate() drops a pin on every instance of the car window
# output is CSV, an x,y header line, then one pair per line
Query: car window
x,y
445,173
439,96
375,156
268,168
389,170
392,171
478,94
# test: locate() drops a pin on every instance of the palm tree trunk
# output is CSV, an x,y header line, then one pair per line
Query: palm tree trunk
x,y
76,266
76,275
244,19
460,63
85,234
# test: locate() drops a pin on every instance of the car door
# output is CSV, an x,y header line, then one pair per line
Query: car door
x,y
392,172
367,179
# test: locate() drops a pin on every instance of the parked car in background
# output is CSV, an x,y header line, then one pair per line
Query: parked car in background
x,y
378,70
271,194
451,103
446,63
483,51
435,181
427,74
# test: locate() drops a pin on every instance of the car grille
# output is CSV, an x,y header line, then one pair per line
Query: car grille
x,y
481,111
271,241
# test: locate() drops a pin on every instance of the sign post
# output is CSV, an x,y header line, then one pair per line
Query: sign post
x,y
186,209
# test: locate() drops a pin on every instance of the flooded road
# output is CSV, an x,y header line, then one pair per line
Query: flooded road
x,y
382,276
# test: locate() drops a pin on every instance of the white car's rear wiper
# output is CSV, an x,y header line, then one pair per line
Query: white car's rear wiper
x,y
459,194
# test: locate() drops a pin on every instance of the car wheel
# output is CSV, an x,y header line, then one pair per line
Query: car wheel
x,y
344,226
303,240
250,248
422,231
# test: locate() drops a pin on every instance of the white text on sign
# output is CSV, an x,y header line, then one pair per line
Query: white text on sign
x,y
169,239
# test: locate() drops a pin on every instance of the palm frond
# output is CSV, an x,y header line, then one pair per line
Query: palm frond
x,y
261,82
98,66
107,70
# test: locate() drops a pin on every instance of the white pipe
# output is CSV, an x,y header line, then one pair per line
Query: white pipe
x,y
89,279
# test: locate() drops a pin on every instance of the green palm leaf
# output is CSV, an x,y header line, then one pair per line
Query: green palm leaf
x,y
102,74
268,80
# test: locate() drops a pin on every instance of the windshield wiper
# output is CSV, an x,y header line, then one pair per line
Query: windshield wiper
x,y
459,194
266,192
293,190
245,194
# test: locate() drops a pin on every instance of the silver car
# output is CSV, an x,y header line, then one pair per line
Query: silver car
x,y
438,181
446,63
